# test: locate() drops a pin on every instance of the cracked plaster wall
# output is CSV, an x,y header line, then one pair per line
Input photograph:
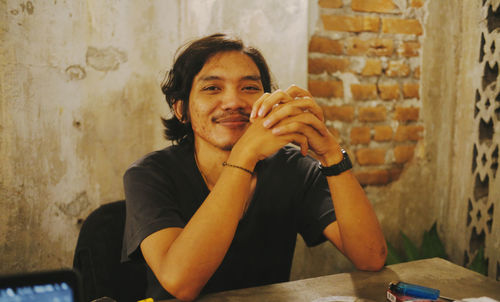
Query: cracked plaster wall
x,y
80,101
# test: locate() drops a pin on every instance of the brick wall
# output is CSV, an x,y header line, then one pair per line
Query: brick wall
x,y
364,69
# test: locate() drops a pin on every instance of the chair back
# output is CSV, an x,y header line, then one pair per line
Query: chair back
x,y
98,253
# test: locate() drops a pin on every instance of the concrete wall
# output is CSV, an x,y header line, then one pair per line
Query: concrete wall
x,y
80,101
437,185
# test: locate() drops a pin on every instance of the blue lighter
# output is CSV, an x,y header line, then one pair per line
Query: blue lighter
x,y
413,290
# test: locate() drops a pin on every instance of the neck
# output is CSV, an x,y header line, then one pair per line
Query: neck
x,y
209,160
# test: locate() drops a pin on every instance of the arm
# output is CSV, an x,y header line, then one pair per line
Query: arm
x,y
356,233
183,260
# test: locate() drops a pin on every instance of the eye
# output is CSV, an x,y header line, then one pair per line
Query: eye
x,y
210,88
252,88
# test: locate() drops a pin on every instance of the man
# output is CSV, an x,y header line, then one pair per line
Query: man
x,y
221,208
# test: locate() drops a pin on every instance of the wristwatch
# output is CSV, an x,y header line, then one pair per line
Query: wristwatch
x,y
344,165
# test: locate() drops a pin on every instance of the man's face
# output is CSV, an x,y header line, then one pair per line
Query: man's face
x,y
221,99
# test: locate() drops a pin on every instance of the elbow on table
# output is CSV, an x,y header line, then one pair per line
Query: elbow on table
x,y
373,263
372,266
181,290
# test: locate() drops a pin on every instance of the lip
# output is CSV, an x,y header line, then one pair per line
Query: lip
x,y
232,120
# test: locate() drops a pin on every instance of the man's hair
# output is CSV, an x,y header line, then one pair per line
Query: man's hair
x,y
179,79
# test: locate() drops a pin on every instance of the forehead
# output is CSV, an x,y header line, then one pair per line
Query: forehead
x,y
229,64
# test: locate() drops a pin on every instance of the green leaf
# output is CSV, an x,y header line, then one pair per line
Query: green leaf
x,y
479,264
410,248
432,246
392,255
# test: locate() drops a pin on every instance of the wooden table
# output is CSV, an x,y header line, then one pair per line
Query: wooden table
x,y
454,281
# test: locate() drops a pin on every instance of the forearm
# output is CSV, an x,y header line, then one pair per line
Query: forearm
x,y
198,251
362,240
201,246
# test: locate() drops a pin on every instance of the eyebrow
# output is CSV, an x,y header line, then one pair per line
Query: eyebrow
x,y
214,77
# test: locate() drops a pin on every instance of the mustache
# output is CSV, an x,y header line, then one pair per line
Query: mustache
x,y
232,114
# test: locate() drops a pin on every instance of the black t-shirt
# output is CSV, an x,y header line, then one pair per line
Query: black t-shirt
x,y
165,188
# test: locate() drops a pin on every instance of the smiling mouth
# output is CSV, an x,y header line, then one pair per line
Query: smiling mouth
x,y
232,121
232,117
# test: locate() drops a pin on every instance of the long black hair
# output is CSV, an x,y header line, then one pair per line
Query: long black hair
x,y
189,62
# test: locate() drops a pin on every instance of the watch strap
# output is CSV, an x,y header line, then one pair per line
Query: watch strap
x,y
333,170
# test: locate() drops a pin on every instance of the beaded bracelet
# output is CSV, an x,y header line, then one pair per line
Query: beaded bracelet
x,y
238,167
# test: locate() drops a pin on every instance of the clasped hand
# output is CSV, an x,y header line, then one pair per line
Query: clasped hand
x,y
290,116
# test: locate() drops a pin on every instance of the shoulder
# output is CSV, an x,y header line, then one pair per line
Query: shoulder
x,y
160,161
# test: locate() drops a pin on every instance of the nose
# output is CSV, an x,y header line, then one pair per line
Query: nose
x,y
232,99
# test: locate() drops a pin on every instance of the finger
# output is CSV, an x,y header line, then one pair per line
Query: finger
x,y
281,113
292,109
301,124
311,134
256,106
296,92
309,104
276,97
301,141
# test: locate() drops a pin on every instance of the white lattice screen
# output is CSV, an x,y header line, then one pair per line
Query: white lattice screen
x,y
483,230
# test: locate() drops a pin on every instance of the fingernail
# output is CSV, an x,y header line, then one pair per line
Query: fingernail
x,y
261,111
266,123
276,131
252,114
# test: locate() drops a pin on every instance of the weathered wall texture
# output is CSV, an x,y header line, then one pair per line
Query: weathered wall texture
x,y
364,67
472,222
80,101
455,105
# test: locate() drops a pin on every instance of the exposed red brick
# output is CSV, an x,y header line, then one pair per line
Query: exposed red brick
x,y
417,3
356,46
380,47
410,90
326,88
340,113
397,69
409,132
351,23
372,114
409,49
406,114
330,65
403,154
382,133
360,135
364,91
373,67
389,91
415,132
394,174
373,178
401,26
416,72
330,3
325,45
368,156
372,47
375,6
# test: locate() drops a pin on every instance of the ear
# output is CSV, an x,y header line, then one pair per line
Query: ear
x,y
177,106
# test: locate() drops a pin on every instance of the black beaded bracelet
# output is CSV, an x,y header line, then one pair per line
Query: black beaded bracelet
x,y
238,167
